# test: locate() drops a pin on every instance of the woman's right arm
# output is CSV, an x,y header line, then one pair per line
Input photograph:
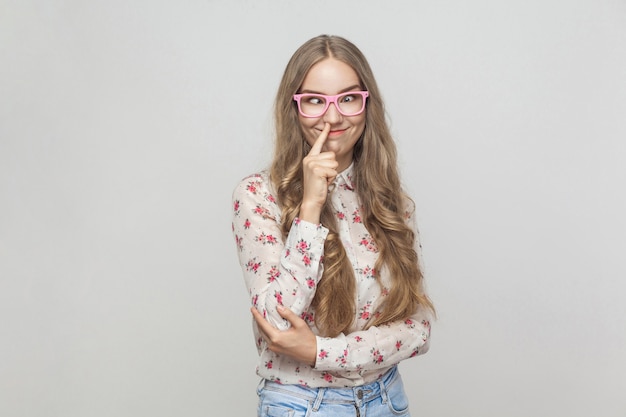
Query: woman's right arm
x,y
276,271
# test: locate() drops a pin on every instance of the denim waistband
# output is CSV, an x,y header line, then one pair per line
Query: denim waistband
x,y
354,395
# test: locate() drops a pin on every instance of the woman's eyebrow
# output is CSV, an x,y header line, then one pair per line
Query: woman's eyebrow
x,y
355,87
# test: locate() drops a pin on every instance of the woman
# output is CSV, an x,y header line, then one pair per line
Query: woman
x,y
327,243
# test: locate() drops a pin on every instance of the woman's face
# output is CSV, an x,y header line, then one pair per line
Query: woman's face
x,y
331,77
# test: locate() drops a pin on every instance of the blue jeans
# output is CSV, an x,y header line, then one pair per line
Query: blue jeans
x,y
384,397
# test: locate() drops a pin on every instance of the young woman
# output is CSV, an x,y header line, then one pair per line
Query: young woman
x,y
328,246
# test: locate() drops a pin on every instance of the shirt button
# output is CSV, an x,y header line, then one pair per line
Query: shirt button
x,y
359,394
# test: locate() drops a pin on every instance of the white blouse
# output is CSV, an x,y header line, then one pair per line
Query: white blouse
x,y
286,272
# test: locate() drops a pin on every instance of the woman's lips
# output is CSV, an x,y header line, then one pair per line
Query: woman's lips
x,y
335,132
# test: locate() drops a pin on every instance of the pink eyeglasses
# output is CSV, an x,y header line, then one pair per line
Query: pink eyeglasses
x,y
351,103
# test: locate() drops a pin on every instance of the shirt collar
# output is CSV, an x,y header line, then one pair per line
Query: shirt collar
x,y
344,178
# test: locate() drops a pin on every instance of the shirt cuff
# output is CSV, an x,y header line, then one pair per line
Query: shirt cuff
x,y
303,231
332,353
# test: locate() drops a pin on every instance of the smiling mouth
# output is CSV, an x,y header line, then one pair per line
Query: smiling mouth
x,y
336,132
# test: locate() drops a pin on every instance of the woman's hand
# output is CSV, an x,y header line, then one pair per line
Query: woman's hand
x,y
320,170
298,342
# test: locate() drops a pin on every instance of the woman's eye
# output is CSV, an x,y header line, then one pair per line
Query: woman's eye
x,y
315,100
347,98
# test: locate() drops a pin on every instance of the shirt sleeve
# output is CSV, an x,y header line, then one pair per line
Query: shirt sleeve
x,y
377,347
276,271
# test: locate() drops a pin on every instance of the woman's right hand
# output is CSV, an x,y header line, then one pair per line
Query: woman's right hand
x,y
320,170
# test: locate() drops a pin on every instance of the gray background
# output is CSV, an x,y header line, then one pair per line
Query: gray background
x,y
125,125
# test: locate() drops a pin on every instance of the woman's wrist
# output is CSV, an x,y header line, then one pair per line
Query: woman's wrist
x,y
310,213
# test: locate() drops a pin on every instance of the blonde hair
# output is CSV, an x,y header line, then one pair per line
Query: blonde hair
x,y
377,185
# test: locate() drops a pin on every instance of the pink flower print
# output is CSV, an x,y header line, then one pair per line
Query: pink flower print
x,y
398,344
269,364
236,206
341,215
265,239
384,292
302,246
271,198
253,266
343,359
273,274
369,243
358,338
426,324
367,272
409,323
252,186
261,211
279,297
308,317
239,242
255,299
414,353
287,253
356,216
377,357
306,260
303,383
246,224
365,314
349,182
327,377
310,282
323,354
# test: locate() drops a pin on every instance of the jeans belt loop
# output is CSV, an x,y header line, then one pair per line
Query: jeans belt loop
x,y
383,391
318,399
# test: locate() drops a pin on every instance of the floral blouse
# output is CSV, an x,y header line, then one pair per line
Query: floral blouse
x,y
286,272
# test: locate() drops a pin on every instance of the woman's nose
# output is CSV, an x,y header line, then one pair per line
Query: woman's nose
x,y
332,115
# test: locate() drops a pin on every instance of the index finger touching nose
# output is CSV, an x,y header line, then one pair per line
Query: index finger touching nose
x,y
321,139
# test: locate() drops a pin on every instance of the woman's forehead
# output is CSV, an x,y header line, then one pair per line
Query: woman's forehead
x,y
330,76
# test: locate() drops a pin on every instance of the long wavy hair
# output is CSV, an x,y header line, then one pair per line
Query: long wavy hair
x,y
383,202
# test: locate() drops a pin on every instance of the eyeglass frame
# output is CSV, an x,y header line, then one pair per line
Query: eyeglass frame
x,y
331,100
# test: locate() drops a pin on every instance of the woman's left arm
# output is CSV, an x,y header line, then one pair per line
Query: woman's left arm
x,y
377,347
365,350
